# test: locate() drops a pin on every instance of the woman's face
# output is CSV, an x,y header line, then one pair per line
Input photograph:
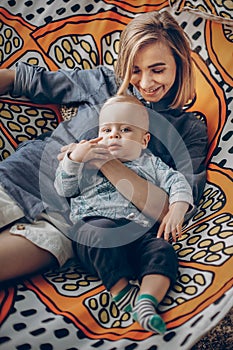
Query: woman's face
x,y
154,71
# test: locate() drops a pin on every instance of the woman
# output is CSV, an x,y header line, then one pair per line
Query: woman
x,y
154,64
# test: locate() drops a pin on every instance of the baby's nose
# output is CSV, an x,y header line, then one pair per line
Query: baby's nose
x,y
115,135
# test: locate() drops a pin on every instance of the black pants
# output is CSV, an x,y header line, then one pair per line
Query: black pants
x,y
147,255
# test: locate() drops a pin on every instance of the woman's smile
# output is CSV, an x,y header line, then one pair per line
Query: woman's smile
x,y
152,92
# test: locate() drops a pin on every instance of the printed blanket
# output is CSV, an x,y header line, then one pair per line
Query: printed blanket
x,y
67,308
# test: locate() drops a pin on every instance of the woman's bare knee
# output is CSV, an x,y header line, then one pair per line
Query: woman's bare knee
x,y
19,256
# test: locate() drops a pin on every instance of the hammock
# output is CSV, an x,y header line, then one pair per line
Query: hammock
x,y
66,308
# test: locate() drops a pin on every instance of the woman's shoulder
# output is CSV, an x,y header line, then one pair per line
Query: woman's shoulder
x,y
187,120
194,121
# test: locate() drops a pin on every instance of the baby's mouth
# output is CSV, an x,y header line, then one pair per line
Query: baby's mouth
x,y
114,145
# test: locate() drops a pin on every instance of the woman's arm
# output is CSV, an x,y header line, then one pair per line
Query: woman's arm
x,y
148,198
59,87
7,77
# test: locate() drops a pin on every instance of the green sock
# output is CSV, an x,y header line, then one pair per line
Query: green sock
x,y
126,299
145,313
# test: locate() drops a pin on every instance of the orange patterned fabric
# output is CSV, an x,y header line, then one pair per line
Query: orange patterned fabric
x,y
66,308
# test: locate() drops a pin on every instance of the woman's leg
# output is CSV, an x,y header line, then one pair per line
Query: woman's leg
x,y
19,256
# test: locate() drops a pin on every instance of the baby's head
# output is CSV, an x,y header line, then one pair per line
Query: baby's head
x,y
124,124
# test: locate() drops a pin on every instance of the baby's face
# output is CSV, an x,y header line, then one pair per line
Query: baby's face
x,y
121,127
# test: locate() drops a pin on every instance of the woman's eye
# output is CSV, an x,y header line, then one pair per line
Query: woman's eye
x,y
158,71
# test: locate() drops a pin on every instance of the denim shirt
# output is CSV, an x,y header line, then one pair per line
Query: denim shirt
x,y
92,194
177,137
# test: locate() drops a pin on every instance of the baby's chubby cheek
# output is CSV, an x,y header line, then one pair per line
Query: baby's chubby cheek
x,y
103,142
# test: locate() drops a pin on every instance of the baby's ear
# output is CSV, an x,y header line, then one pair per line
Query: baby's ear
x,y
146,139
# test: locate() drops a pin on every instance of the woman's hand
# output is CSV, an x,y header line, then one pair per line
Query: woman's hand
x,y
173,221
7,78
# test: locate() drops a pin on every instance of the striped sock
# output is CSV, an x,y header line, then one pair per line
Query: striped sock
x,y
145,313
126,299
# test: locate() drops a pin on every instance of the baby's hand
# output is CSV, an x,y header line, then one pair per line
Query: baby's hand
x,y
86,151
64,150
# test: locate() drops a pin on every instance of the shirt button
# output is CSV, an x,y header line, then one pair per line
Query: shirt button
x,y
130,216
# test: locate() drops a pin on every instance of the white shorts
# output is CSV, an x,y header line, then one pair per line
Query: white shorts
x,y
41,232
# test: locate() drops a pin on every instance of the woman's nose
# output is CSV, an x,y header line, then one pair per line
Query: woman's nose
x,y
145,81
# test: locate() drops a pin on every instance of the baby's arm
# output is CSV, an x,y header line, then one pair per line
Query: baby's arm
x,y
70,167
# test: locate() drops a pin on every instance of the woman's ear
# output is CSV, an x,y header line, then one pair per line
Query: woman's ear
x,y
146,139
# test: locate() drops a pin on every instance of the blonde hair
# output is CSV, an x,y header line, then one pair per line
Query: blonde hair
x,y
148,28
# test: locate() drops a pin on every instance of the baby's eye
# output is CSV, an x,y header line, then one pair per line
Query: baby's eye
x,y
125,130
106,130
